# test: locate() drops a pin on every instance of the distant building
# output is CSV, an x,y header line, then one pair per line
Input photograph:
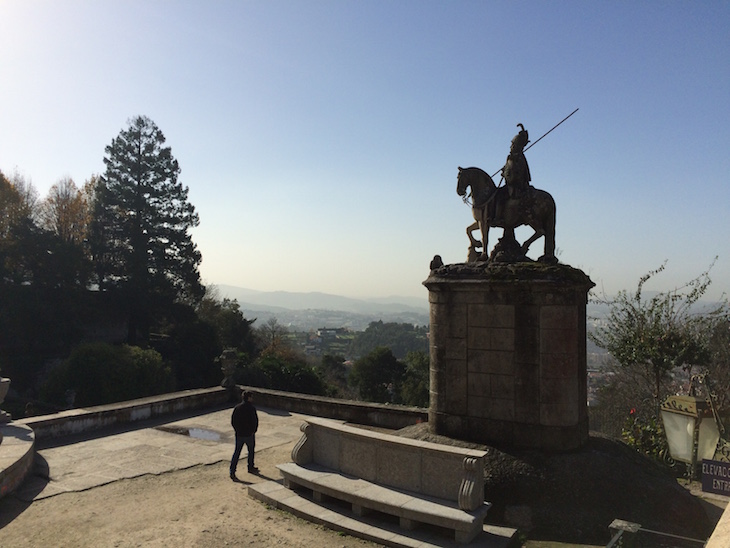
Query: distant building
x,y
331,332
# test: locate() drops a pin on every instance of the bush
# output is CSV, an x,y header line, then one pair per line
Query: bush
x,y
102,373
291,376
274,371
647,436
333,372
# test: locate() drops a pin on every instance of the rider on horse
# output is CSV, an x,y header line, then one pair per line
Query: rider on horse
x,y
516,174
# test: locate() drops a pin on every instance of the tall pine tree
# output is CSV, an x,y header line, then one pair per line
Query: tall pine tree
x,y
140,238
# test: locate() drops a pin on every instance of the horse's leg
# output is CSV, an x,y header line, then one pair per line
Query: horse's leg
x,y
539,232
484,225
473,254
472,240
549,229
549,245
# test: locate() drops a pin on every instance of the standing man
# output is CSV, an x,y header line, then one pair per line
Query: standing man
x,y
245,422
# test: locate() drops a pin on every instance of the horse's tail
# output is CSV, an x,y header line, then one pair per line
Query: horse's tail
x,y
549,226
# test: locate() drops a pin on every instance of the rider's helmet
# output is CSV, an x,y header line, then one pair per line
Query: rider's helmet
x,y
521,139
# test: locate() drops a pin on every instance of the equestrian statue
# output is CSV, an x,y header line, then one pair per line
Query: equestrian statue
x,y
515,204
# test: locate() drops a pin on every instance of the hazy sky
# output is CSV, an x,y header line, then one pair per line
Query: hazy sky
x,y
320,139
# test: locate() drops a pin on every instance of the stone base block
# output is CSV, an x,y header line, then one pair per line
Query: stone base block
x,y
508,354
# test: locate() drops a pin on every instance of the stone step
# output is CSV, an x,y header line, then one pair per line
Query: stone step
x,y
374,527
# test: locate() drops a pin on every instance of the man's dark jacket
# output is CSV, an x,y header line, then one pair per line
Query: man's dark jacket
x,y
244,420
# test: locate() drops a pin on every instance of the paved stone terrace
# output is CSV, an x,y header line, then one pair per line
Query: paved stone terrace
x,y
80,462
76,463
84,461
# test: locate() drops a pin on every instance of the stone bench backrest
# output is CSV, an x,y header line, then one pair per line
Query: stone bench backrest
x,y
418,466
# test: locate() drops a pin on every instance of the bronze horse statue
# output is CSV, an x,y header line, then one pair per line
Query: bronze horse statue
x,y
494,207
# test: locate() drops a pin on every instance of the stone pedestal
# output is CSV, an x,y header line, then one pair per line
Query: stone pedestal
x,y
508,354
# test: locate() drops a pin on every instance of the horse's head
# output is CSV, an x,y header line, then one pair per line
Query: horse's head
x,y
462,181
481,183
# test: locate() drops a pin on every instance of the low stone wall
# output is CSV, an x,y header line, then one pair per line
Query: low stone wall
x,y
75,421
372,414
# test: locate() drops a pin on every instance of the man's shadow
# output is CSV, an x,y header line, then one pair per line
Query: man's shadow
x,y
257,474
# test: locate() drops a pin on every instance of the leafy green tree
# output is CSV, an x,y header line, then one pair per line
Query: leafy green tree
x,y
719,366
280,365
234,330
140,240
46,261
401,338
661,333
415,388
377,376
191,347
291,375
332,369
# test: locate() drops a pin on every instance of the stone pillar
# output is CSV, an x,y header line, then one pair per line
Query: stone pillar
x,y
4,416
508,354
4,387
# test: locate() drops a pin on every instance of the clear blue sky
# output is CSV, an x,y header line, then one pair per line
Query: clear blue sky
x,y
320,139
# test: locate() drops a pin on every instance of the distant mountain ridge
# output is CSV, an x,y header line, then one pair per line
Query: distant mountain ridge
x,y
306,311
323,301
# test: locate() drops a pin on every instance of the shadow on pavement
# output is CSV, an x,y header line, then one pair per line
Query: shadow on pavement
x,y
274,412
17,502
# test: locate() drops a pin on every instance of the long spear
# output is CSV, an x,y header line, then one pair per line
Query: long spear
x,y
543,135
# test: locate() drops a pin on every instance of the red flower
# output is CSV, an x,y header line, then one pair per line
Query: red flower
x,y
633,411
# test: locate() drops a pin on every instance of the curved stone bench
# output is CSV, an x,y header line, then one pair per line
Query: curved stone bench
x,y
417,481
17,451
